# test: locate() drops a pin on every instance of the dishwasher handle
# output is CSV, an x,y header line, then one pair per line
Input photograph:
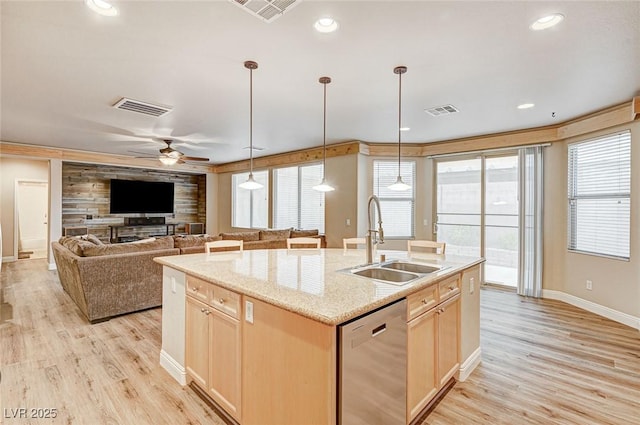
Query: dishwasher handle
x,y
377,331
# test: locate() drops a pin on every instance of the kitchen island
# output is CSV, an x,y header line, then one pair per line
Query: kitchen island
x,y
256,331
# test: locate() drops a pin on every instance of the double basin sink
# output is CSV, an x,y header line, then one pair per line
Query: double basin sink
x,y
395,272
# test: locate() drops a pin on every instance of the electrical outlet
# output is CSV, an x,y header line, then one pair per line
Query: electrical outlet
x,y
589,285
248,311
472,285
348,222
425,222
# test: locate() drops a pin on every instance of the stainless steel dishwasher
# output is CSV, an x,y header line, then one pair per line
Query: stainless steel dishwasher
x,y
372,368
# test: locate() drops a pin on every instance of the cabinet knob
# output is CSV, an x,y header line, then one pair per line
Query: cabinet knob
x,y
451,288
424,301
202,310
195,289
207,312
221,300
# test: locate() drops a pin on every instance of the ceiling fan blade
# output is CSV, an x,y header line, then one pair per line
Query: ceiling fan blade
x,y
194,158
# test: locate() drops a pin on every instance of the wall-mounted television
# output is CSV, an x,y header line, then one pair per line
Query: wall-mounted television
x,y
136,196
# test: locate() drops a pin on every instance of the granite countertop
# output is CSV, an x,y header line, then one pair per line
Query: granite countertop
x,y
314,283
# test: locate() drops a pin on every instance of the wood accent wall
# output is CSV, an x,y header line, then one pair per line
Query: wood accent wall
x,y
85,192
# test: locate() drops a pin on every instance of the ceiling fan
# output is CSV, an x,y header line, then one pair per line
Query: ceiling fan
x,y
171,156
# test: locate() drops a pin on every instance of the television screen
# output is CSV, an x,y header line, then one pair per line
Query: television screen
x,y
135,196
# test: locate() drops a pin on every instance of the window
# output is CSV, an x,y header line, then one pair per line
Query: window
x,y
600,195
250,207
397,206
296,204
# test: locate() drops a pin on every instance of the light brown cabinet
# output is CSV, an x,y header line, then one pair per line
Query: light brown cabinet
x,y
448,318
433,342
213,343
422,382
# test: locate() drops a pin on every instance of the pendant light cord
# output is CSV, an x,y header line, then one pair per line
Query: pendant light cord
x,y
399,117
250,121
324,132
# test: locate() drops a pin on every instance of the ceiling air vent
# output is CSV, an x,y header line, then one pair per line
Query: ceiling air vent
x,y
442,110
142,107
267,10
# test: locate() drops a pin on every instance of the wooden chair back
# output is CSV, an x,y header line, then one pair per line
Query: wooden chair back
x,y
224,245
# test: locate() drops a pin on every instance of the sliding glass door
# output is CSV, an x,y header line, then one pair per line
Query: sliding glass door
x,y
501,220
477,212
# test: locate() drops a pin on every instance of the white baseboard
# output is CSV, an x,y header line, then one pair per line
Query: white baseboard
x,y
52,266
175,369
609,313
470,364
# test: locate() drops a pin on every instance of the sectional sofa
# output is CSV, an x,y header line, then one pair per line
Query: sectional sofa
x,y
106,280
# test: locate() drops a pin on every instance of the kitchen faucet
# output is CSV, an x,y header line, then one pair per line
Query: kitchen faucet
x,y
370,231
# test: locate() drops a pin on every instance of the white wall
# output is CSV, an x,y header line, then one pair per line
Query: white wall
x,y
10,170
616,283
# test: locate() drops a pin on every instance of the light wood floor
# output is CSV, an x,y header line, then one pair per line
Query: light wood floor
x,y
543,362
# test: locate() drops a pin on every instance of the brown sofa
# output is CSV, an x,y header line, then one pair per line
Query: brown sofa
x,y
106,280
112,279
271,239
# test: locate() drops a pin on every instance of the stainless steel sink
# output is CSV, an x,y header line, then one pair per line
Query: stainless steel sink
x,y
387,275
394,272
411,267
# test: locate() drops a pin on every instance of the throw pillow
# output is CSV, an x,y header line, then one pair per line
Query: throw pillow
x,y
272,235
298,233
241,236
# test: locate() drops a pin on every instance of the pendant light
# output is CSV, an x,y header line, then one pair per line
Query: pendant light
x,y
399,184
324,186
250,184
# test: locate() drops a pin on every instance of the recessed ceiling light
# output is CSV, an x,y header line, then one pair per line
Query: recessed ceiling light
x,y
526,105
547,22
405,128
101,7
325,25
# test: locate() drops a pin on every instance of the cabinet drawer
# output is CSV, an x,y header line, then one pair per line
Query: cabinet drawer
x,y
225,301
422,301
198,288
449,287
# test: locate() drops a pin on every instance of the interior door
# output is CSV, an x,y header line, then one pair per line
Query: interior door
x,y
32,206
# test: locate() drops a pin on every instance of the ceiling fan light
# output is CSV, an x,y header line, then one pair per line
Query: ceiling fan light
x,y
168,160
323,187
399,185
250,184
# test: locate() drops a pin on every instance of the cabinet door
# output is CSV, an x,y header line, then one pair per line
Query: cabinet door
x,y
225,346
448,339
197,341
422,383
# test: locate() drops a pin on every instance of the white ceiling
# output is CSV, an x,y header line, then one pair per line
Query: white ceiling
x,y
63,66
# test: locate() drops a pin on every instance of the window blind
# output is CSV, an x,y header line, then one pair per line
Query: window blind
x,y
250,208
599,192
397,206
296,204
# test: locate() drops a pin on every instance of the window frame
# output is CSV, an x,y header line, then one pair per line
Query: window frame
x,y
573,195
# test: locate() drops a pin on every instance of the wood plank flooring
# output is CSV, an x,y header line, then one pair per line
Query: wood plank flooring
x,y
546,362
543,362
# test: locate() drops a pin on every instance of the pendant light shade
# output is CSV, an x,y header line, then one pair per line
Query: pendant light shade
x,y
399,184
324,186
250,184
